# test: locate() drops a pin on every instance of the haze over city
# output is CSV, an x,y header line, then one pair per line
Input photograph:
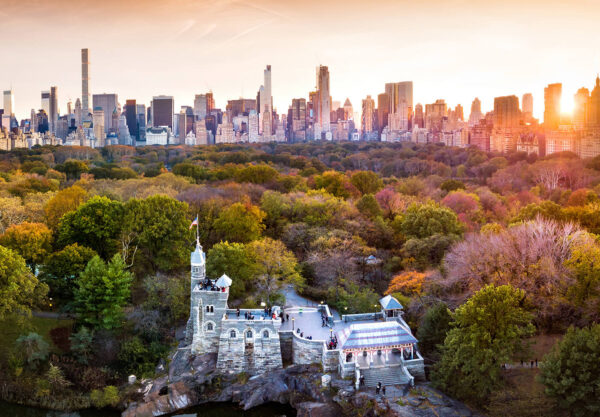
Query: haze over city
x,y
455,50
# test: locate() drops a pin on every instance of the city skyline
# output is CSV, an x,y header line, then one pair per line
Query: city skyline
x,y
515,50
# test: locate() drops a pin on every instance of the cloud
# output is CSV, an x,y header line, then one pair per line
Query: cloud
x,y
184,28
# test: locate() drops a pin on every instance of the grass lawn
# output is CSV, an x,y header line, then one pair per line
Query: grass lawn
x,y
11,328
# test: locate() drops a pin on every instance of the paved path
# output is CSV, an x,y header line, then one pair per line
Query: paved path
x,y
292,298
52,315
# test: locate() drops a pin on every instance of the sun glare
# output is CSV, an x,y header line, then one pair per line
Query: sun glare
x,y
567,104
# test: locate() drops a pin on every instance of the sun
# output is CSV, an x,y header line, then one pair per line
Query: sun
x,y
567,104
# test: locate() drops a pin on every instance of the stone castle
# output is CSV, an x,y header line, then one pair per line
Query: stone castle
x,y
378,346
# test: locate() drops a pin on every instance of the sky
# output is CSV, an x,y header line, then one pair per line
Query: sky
x,y
451,49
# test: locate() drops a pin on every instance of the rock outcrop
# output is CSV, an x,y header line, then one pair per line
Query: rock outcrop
x,y
193,380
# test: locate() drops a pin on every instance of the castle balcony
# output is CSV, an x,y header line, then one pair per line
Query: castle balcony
x,y
252,315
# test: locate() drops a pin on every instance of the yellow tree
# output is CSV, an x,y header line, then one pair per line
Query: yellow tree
x,y
63,202
407,283
33,241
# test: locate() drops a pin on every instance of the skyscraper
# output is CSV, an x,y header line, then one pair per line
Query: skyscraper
x,y
383,109
368,115
108,103
594,104
53,115
475,115
46,101
85,82
506,112
527,107
323,111
581,110
552,94
163,108
131,118
9,103
398,93
200,106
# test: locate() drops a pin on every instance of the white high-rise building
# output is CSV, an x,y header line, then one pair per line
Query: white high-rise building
x,y
253,127
9,103
266,104
323,112
85,82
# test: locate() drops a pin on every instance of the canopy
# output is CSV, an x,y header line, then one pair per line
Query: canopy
x,y
224,281
374,335
390,303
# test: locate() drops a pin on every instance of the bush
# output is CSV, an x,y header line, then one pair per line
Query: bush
x,y
109,396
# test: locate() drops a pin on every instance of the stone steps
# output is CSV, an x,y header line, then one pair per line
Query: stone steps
x,y
387,376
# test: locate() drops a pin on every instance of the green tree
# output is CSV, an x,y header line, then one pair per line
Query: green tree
x,y
335,183
257,174
546,209
486,332
63,267
102,291
103,398
56,379
452,185
584,264
34,348
424,220
235,260
96,224
571,372
72,168
277,207
139,358
19,288
275,266
33,241
169,294
367,182
433,329
81,344
158,227
369,206
240,223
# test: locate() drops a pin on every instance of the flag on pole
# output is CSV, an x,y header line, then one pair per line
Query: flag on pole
x,y
194,223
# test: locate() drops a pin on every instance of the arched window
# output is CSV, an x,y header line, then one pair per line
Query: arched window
x,y
209,327
249,334
266,334
232,334
208,309
212,309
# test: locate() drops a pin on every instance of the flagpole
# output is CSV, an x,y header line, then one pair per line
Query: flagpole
x,y
197,230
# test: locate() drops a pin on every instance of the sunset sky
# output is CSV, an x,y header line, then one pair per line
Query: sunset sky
x,y
451,49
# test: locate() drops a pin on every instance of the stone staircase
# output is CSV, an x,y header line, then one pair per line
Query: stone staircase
x,y
387,376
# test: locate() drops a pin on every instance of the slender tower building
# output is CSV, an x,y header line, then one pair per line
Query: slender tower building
x,y
85,82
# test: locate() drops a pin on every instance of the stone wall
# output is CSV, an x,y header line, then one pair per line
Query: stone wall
x,y
255,354
205,340
416,368
331,360
307,351
286,340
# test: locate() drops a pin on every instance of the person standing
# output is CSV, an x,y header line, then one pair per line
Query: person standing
x,y
378,388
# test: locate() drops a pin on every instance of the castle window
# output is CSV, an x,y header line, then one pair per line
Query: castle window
x,y
266,334
208,309
196,269
249,334
232,334
209,327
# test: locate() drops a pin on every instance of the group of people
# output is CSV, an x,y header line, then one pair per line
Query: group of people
x,y
379,388
208,285
268,312
333,342
302,334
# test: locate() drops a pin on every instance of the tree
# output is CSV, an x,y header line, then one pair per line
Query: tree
x,y
34,348
235,260
240,223
81,344
546,209
158,227
369,206
257,174
275,266
64,201
56,379
452,185
73,168
33,241
571,372
12,212
103,398
335,183
277,207
19,288
584,265
486,332
407,283
96,224
433,329
102,291
367,182
424,220
63,267
168,294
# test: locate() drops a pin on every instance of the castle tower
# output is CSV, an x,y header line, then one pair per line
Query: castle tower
x,y
207,307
